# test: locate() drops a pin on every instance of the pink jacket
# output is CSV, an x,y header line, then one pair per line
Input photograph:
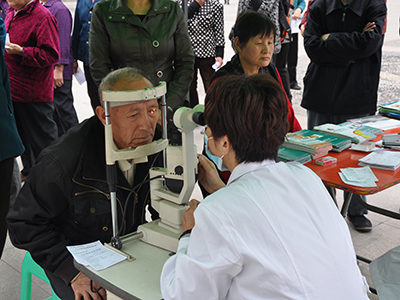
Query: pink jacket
x,y
35,29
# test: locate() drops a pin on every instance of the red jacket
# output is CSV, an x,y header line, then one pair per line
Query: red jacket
x,y
35,29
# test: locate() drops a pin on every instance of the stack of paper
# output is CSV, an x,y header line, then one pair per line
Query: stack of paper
x,y
360,128
287,154
355,135
391,109
386,160
316,143
363,177
378,121
95,255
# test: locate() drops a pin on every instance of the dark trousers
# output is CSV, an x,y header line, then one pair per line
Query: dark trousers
x,y
206,72
6,167
314,119
92,89
280,63
292,58
36,128
64,110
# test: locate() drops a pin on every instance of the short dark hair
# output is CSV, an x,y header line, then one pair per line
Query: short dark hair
x,y
251,111
250,24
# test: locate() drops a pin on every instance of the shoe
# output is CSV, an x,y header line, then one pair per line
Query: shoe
x,y
23,177
360,223
295,86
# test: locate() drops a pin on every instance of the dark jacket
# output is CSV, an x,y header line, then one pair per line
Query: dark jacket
x,y
80,34
10,142
159,45
343,76
65,200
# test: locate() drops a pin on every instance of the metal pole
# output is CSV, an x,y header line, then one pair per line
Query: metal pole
x,y
111,171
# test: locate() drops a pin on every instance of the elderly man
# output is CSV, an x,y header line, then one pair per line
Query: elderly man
x,y
65,200
30,56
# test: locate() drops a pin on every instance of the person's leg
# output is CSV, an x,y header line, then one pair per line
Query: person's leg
x,y
64,110
292,61
280,63
6,167
15,183
193,96
206,71
62,290
355,211
92,89
38,126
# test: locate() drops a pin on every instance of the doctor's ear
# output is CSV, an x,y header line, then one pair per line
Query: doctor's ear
x,y
101,114
237,43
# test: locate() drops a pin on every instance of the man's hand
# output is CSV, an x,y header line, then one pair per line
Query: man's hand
x,y
302,28
81,288
75,66
220,61
14,49
58,76
325,36
208,175
369,27
296,14
188,218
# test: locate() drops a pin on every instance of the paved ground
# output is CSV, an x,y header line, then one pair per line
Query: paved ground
x,y
386,232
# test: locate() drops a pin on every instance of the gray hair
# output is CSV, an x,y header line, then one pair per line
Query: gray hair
x,y
127,74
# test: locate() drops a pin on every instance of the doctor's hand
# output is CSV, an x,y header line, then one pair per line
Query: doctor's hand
x,y
188,218
81,287
208,175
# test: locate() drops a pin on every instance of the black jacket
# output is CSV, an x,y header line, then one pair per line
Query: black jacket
x,y
65,199
343,76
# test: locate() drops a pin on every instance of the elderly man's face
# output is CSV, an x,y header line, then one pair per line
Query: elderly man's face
x,y
133,124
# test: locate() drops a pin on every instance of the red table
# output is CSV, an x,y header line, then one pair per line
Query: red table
x,y
349,158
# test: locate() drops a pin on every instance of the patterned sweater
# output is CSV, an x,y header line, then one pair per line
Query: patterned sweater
x,y
35,29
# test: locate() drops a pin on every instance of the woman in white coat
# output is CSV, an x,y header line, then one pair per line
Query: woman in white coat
x,y
273,232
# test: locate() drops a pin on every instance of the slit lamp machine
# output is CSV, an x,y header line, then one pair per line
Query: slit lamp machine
x,y
171,185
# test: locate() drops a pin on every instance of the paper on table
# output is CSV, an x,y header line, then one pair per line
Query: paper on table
x,y
80,76
95,255
363,177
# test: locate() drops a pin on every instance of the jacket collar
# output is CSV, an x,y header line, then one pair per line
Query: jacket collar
x,y
27,8
356,6
158,6
49,3
244,168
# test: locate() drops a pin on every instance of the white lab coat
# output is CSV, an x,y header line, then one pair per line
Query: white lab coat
x,y
272,233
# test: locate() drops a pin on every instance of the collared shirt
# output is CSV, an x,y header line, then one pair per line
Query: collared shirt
x,y
17,11
272,233
128,169
64,20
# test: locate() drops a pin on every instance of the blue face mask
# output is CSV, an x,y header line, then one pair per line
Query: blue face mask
x,y
215,159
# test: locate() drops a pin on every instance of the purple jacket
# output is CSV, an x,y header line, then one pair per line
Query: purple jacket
x,y
3,9
35,29
64,19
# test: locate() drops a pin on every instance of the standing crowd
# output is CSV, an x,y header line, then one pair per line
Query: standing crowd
x,y
129,45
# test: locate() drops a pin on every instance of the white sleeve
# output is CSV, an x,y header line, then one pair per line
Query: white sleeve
x,y
205,263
